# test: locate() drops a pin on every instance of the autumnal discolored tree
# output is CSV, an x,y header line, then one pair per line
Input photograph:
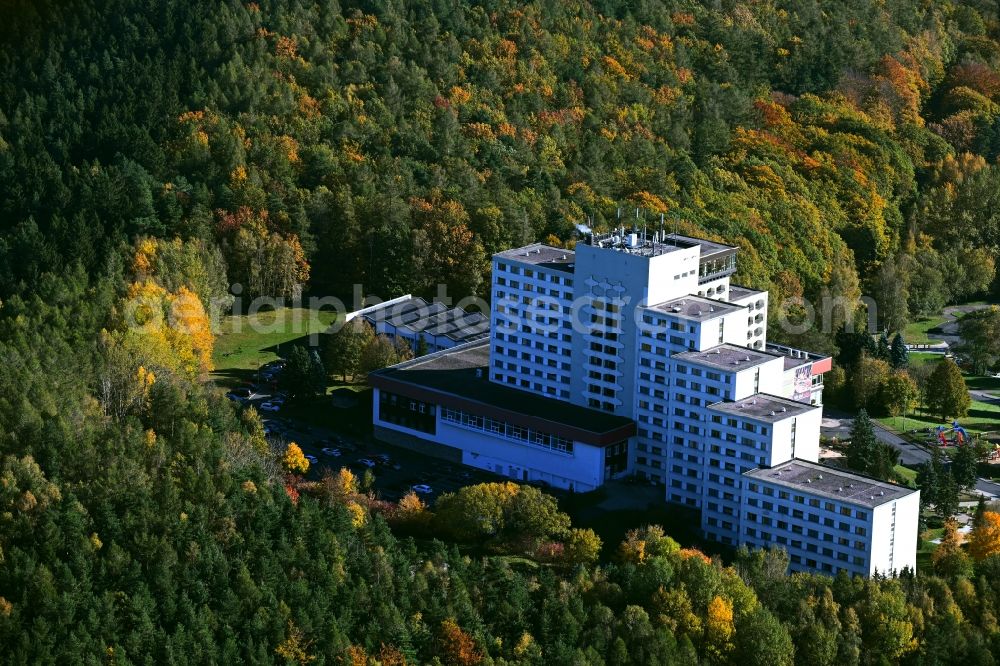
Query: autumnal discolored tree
x,y
949,558
984,540
294,460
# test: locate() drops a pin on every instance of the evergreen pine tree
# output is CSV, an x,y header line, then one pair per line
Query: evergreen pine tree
x,y
964,466
883,347
862,452
977,518
899,357
421,347
928,478
938,486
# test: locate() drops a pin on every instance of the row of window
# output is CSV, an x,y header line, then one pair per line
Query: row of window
x,y
527,371
525,342
807,546
672,324
544,276
531,321
604,405
829,507
827,520
528,287
509,431
517,378
406,412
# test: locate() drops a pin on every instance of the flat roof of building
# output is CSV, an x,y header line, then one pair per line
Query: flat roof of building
x,y
460,377
830,482
726,357
738,293
433,319
708,248
696,308
764,407
539,254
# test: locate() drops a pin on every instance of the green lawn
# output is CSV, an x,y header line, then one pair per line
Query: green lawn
x,y
907,474
927,548
982,417
915,332
247,342
919,359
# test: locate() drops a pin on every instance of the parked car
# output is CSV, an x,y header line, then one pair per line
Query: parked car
x,y
270,406
422,489
312,459
367,462
328,451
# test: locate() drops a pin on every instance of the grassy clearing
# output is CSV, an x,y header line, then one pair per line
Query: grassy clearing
x,y
920,359
915,332
982,417
246,342
907,474
926,549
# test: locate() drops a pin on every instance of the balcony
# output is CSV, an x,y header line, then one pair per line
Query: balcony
x,y
713,269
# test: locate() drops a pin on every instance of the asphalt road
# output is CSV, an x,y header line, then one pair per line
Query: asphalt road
x,y
839,426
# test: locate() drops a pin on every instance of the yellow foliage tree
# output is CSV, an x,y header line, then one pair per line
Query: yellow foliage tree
x,y
295,647
719,628
341,486
358,515
294,461
583,546
171,330
985,538
145,257
191,325
412,511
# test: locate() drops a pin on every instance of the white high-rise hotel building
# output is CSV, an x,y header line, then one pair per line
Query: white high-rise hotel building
x,y
634,354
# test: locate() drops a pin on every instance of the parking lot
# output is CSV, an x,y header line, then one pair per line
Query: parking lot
x,y
396,470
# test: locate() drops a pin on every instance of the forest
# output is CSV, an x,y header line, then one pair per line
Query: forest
x,y
154,153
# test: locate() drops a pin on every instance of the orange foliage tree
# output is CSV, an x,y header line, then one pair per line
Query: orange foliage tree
x,y
985,538
457,647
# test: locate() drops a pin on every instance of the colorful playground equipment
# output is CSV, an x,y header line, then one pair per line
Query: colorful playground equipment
x,y
957,432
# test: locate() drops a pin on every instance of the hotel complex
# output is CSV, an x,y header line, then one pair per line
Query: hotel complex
x,y
634,355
